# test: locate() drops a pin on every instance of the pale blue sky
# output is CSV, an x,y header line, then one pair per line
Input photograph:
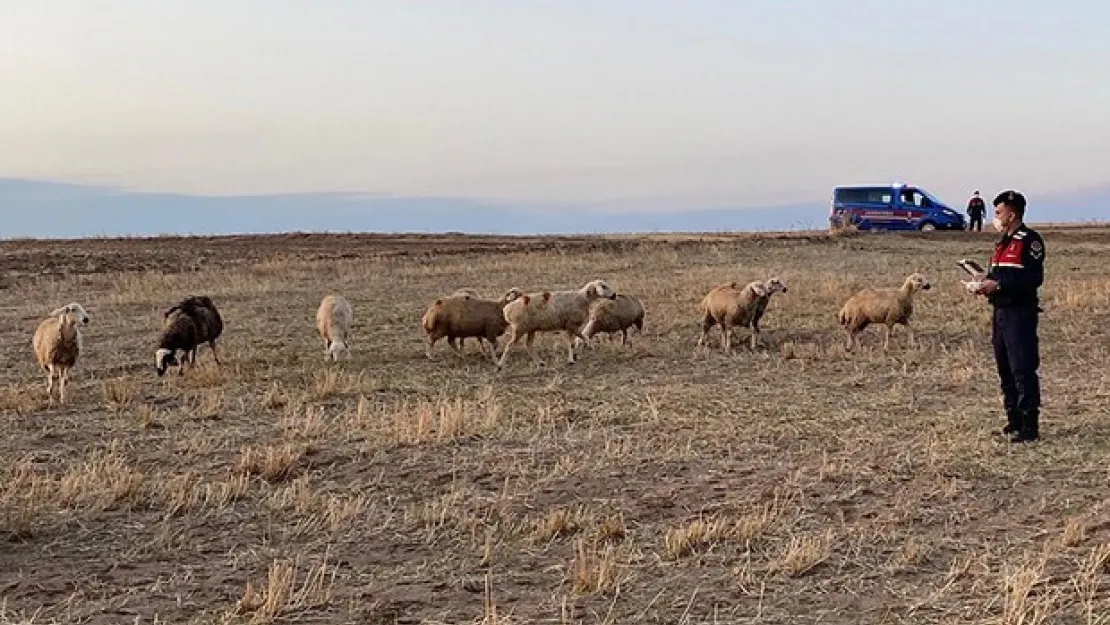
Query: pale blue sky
x,y
691,103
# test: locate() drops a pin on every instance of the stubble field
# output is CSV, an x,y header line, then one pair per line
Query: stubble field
x,y
652,483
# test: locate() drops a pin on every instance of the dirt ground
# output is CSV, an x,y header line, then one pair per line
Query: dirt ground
x,y
649,483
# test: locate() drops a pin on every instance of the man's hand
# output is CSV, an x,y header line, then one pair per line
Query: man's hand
x,y
987,287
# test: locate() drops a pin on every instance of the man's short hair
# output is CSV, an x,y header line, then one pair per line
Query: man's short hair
x,y
1013,199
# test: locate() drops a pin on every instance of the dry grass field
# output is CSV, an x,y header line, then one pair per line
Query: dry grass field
x,y
653,483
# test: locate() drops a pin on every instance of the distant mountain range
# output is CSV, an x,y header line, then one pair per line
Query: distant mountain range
x,y
43,209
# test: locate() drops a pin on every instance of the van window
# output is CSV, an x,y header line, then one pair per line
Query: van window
x,y
864,195
913,197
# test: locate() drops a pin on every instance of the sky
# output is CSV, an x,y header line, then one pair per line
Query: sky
x,y
606,103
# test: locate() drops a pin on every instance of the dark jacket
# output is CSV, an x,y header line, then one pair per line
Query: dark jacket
x,y
976,207
1018,266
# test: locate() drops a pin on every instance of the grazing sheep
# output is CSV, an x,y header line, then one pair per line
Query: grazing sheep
x,y
552,311
463,314
886,306
615,315
57,344
206,317
179,334
333,321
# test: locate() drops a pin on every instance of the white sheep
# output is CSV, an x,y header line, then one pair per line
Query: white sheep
x,y
333,322
57,344
886,306
463,314
615,315
552,311
733,306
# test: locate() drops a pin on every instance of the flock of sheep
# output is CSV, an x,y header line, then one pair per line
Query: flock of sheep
x,y
579,314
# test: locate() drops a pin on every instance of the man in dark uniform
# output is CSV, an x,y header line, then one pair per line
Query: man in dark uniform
x,y
1016,272
976,208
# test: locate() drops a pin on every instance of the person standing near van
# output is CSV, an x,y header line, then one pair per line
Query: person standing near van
x,y
976,208
1016,272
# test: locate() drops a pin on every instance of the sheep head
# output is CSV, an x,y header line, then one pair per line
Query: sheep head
x,y
74,311
338,350
164,359
599,289
774,285
916,282
511,295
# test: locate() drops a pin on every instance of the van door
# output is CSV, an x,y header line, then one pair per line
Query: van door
x,y
911,209
876,205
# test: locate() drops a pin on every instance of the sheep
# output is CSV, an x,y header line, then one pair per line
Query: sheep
x,y
730,305
179,334
462,314
206,317
333,321
57,344
552,311
615,315
886,306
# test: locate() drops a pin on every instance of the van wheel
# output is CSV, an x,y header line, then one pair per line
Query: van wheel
x,y
928,226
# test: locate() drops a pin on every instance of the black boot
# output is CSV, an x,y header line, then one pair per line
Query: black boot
x,y
1012,422
1028,427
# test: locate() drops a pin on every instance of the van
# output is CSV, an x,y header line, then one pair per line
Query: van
x,y
894,206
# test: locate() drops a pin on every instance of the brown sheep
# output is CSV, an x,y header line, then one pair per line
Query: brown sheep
x,y
886,306
462,314
734,306
615,315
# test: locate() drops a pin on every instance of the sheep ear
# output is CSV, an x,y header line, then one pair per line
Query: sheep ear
x,y
59,312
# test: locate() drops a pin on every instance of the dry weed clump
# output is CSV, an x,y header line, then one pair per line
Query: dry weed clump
x,y
189,494
596,569
804,553
271,463
441,421
120,393
284,594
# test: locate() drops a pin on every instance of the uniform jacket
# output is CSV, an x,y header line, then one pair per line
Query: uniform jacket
x,y
1018,266
976,207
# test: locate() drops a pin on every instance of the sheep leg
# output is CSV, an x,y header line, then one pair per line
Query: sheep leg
x,y
586,333
63,377
212,344
572,336
50,383
624,336
910,339
886,340
726,338
706,325
531,352
489,348
431,341
513,338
